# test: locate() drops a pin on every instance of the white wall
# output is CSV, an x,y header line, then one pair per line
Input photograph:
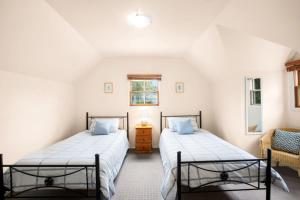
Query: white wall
x,y
37,41
91,98
226,57
229,107
34,113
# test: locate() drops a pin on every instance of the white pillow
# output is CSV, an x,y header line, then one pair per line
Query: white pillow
x,y
114,124
172,122
194,124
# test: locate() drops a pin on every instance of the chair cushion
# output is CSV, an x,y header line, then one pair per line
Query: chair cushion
x,y
286,141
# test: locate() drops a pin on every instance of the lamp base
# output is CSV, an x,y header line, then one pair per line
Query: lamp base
x,y
144,123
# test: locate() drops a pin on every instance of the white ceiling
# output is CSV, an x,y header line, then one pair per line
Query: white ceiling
x,y
274,20
221,52
35,40
176,24
63,39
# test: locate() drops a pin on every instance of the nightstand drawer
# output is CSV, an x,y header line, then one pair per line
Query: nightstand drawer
x,y
143,138
143,131
143,147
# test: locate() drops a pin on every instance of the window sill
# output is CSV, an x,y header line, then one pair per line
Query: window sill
x,y
294,109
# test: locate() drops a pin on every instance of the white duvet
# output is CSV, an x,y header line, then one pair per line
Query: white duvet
x,y
79,149
204,146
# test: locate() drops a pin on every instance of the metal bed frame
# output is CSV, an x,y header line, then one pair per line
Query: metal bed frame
x,y
224,175
9,193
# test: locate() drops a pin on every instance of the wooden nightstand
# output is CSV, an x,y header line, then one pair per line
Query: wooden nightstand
x,y
143,139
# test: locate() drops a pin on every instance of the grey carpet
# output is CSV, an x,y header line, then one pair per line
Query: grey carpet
x,y
141,176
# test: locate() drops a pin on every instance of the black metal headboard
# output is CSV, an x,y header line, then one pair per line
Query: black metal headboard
x,y
164,118
90,117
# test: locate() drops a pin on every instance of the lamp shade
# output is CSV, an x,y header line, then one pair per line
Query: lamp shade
x,y
138,19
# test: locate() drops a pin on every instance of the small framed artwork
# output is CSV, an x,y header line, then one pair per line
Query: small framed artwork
x,y
108,87
179,87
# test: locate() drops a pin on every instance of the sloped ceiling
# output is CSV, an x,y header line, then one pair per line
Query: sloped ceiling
x,y
252,53
208,54
248,36
222,51
176,24
274,20
36,41
63,39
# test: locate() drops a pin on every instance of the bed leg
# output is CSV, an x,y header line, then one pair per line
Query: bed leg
x,y
268,175
160,122
87,121
127,124
200,120
2,190
98,183
178,175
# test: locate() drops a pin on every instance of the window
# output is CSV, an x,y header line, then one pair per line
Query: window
x,y
294,67
144,93
144,90
297,88
255,91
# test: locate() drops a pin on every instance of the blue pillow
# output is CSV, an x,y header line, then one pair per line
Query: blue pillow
x,y
114,124
286,141
184,126
172,121
102,127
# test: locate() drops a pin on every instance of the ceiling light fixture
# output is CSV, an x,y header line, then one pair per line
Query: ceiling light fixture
x,y
138,19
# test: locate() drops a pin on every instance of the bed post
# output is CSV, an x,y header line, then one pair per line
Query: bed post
x,y
98,183
127,125
179,175
268,175
2,191
87,121
200,120
160,122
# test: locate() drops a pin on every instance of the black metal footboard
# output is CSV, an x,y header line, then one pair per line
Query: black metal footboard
x,y
7,192
224,176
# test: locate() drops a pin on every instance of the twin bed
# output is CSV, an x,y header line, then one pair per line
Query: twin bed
x,y
88,164
85,164
194,162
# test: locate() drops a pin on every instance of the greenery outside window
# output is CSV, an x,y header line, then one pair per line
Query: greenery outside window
x,y
255,92
144,93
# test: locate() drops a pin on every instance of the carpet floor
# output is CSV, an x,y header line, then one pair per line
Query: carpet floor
x,y
141,176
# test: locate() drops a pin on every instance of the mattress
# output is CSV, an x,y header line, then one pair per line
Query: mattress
x,y
79,149
204,146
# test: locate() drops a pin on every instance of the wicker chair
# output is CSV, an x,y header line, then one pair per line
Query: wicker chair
x,y
282,158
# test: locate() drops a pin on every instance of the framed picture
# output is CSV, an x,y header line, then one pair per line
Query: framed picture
x,y
108,87
179,87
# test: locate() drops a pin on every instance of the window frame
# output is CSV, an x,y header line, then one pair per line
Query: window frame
x,y
253,90
143,92
296,90
294,81
248,88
